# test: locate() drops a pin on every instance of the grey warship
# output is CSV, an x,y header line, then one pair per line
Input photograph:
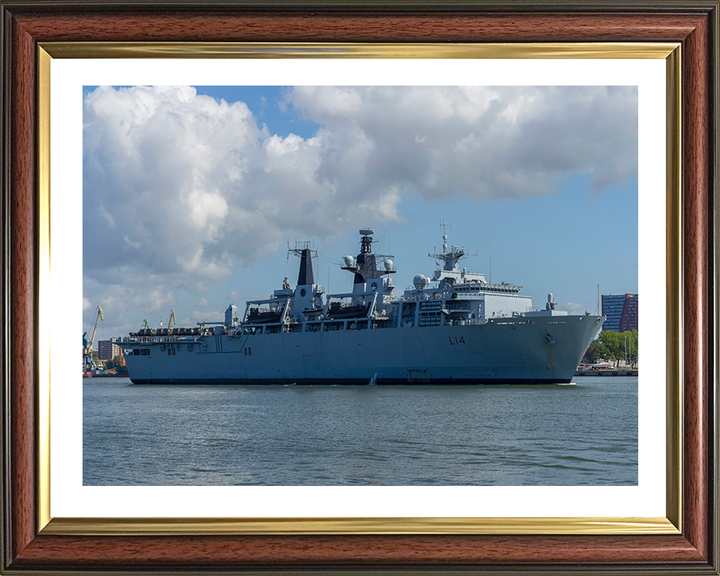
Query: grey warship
x,y
454,328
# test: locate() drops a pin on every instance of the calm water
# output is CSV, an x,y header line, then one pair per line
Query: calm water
x,y
583,434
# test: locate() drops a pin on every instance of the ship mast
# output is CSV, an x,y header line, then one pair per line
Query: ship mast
x,y
452,258
365,265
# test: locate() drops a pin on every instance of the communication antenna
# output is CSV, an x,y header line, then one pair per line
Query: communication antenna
x,y
597,310
301,245
444,227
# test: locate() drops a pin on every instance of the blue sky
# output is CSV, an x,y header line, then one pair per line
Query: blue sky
x,y
267,105
192,194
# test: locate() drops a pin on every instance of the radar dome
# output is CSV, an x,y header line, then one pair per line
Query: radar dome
x,y
420,281
388,264
349,260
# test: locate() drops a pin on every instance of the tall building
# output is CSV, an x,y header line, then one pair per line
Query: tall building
x,y
107,350
621,311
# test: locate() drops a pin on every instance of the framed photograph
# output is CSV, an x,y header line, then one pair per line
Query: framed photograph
x,y
71,72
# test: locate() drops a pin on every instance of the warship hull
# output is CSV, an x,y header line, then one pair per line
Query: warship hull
x,y
538,350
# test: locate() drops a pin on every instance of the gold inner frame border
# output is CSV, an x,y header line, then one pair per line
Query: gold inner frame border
x,y
671,524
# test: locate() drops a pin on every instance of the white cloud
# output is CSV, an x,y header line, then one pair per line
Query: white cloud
x,y
133,244
180,189
106,216
484,142
572,307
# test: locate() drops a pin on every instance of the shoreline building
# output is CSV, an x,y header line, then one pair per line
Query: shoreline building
x,y
107,350
621,311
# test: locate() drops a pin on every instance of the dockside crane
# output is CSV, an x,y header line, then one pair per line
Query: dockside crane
x,y
88,362
172,319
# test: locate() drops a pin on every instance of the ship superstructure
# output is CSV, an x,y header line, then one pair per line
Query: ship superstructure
x,y
452,328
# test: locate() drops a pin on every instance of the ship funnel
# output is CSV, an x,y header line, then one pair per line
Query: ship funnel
x,y
305,276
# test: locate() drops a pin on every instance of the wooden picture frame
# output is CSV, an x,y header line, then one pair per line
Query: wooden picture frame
x,y
27,547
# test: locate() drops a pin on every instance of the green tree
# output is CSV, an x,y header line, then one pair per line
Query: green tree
x,y
611,341
595,352
620,345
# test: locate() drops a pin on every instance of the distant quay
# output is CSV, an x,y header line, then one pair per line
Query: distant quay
x,y
607,372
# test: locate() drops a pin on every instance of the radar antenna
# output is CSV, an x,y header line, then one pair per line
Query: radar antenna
x,y
364,267
452,257
305,253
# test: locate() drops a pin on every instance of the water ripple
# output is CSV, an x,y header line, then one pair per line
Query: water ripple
x,y
584,434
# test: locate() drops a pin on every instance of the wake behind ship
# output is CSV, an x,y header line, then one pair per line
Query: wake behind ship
x,y
453,328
